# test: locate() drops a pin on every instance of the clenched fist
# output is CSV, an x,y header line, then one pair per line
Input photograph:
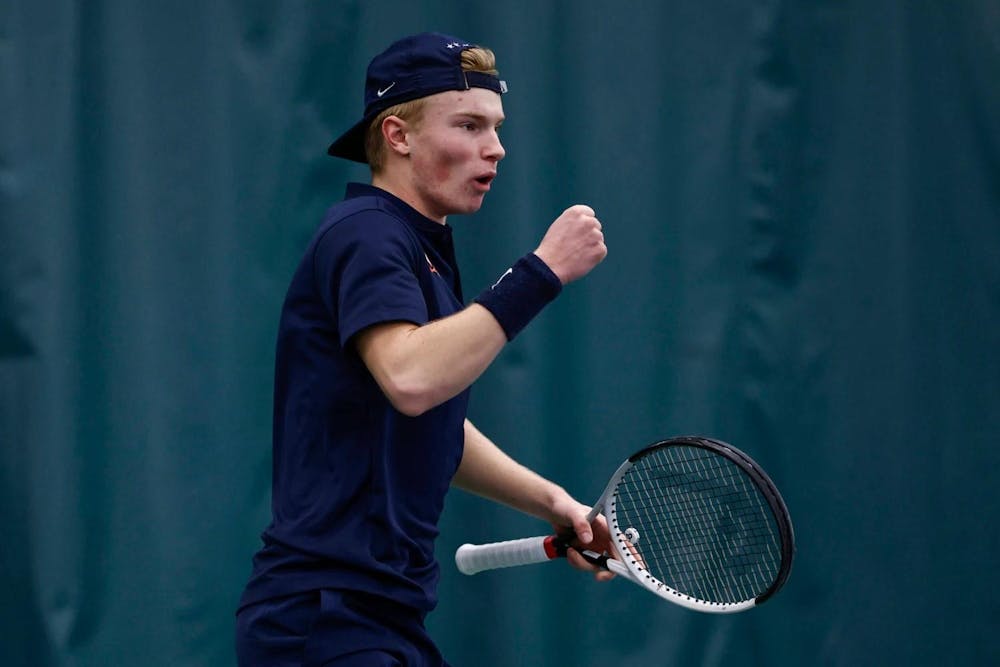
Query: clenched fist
x,y
574,244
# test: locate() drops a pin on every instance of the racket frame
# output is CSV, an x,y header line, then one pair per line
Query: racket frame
x,y
634,570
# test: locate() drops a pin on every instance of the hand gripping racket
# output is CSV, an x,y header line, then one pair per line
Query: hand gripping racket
x,y
692,519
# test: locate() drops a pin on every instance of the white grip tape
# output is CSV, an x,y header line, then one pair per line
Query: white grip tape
x,y
472,558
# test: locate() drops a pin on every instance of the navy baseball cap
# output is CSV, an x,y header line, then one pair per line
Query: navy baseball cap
x,y
413,67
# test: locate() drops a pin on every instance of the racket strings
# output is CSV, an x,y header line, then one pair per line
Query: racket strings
x,y
695,550
705,528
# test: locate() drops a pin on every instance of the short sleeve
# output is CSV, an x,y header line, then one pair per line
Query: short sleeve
x,y
365,269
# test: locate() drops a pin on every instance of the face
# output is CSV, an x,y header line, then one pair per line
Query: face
x,y
454,151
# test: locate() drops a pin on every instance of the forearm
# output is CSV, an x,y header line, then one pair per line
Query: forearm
x,y
419,367
487,471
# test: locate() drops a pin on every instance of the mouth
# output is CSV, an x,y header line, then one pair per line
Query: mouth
x,y
485,180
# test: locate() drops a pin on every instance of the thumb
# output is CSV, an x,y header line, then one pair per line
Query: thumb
x,y
582,528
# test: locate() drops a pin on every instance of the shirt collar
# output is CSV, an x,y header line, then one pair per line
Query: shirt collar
x,y
412,215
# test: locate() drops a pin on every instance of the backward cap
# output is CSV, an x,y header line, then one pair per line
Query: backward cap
x,y
411,68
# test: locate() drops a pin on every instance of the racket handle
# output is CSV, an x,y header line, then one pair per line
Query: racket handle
x,y
473,558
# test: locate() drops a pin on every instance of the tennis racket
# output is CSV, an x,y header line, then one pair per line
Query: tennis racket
x,y
692,519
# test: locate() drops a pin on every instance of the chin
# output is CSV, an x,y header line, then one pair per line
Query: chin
x,y
466,209
465,204
476,203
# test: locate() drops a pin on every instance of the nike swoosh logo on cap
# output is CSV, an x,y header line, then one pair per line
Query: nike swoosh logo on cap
x,y
383,91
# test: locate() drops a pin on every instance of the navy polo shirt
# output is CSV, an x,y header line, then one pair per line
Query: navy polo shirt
x,y
358,487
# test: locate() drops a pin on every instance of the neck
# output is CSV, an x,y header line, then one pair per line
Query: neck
x,y
399,186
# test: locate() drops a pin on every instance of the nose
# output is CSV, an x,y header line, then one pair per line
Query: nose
x,y
493,150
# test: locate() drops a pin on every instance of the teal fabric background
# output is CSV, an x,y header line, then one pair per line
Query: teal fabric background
x,y
802,207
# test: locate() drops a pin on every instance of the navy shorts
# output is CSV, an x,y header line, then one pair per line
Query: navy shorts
x,y
335,628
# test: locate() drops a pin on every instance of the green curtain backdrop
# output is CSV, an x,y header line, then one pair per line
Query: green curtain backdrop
x,y
802,206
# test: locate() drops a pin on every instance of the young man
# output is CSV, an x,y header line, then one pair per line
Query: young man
x,y
375,355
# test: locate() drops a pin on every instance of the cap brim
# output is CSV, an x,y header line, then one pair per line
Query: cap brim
x,y
351,144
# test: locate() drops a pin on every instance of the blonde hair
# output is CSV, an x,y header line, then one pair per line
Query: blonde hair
x,y
476,59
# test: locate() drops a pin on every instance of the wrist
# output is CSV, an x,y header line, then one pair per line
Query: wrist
x,y
549,262
520,294
559,505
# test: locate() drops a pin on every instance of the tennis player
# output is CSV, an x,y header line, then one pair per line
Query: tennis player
x,y
376,352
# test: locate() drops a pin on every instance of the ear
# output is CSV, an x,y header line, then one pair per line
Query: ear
x,y
395,132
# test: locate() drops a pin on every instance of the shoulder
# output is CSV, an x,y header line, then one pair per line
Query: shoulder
x,y
368,215
368,231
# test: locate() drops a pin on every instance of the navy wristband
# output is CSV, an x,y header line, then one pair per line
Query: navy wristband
x,y
520,294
